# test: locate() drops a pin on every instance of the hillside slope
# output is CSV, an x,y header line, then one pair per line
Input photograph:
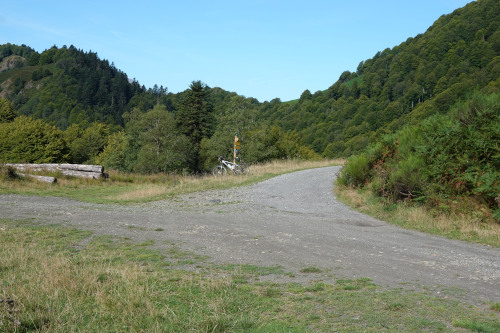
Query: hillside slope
x,y
424,75
65,85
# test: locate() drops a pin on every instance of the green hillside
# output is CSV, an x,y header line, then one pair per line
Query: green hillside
x,y
65,86
439,142
424,75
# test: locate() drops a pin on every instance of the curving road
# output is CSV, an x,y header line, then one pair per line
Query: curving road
x,y
293,221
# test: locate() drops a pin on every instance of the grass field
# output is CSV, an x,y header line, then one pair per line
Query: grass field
x,y
56,279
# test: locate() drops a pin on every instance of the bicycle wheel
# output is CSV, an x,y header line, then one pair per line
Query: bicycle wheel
x,y
245,169
219,171
238,170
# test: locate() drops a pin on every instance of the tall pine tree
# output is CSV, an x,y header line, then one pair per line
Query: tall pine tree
x,y
7,113
195,117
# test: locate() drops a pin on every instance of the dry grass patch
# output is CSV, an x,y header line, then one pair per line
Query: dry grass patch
x,y
468,226
258,172
282,166
142,193
354,198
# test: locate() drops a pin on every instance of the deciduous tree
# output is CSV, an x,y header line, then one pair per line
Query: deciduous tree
x,y
31,141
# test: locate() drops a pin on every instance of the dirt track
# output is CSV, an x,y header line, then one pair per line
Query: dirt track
x,y
293,221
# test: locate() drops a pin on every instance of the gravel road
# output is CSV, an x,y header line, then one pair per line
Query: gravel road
x,y
293,221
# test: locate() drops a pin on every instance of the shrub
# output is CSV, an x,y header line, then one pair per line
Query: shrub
x,y
461,149
356,172
443,157
376,151
408,179
31,140
378,185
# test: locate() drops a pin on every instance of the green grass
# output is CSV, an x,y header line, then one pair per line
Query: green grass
x,y
311,269
357,79
292,102
495,306
56,284
23,72
476,326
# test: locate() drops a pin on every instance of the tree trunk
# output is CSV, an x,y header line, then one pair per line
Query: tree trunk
x,y
44,179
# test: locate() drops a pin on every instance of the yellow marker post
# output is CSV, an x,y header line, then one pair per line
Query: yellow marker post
x,y
236,147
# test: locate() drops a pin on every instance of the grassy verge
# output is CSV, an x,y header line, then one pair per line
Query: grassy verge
x,y
135,188
466,224
52,279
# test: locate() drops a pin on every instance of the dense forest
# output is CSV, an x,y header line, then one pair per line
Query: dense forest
x,y
82,109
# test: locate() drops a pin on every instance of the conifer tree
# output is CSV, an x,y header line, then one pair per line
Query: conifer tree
x,y
195,117
7,113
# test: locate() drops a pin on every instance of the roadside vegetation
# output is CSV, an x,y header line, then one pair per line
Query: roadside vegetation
x,y
440,176
129,188
57,279
467,225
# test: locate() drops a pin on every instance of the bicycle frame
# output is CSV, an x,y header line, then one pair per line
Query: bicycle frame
x,y
228,164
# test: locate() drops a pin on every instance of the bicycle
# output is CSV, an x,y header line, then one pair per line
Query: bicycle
x,y
225,165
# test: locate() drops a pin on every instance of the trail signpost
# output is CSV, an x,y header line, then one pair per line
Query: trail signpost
x,y
236,147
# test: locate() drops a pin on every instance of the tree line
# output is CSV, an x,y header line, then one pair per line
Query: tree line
x,y
153,140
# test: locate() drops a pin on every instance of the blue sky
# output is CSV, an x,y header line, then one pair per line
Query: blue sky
x,y
263,49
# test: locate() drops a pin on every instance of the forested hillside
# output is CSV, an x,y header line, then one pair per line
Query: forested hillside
x,y
422,76
440,145
66,85
104,117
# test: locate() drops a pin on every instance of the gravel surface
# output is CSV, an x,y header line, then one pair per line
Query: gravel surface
x,y
293,221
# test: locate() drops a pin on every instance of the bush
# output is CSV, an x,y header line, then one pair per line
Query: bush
x,y
113,154
408,179
356,172
29,140
461,149
378,185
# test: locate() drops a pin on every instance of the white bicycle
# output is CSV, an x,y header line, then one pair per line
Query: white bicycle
x,y
225,165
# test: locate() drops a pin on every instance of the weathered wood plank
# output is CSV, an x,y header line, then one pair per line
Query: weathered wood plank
x,y
82,167
44,179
